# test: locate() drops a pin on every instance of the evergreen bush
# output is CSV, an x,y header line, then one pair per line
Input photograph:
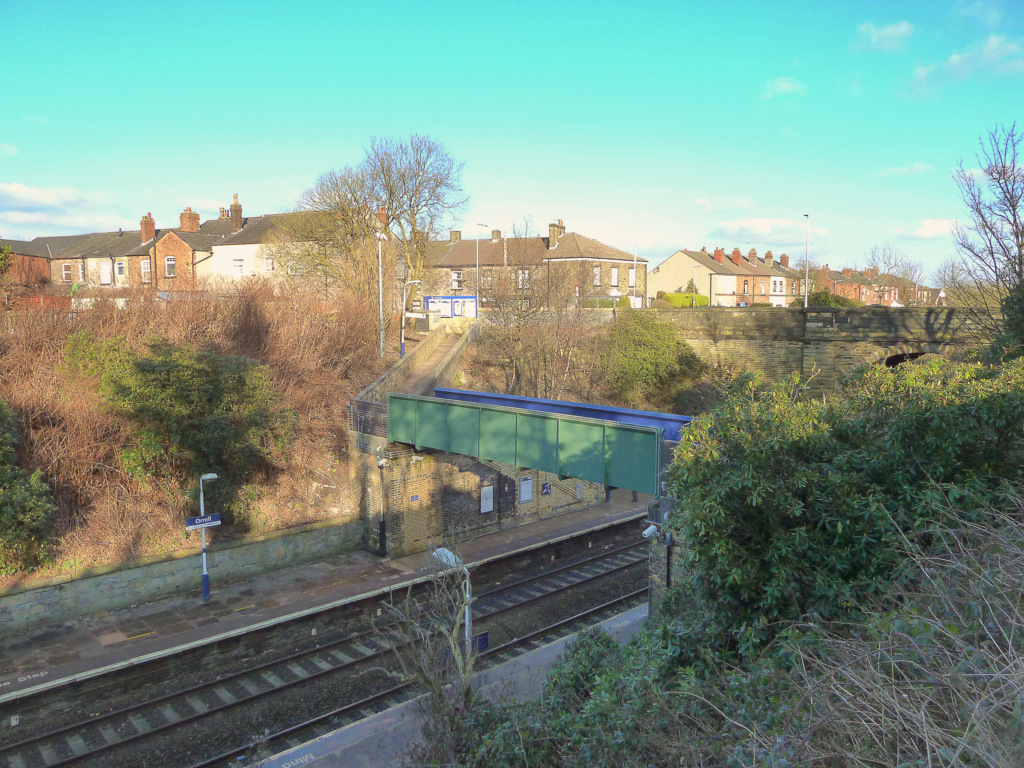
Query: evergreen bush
x,y
26,505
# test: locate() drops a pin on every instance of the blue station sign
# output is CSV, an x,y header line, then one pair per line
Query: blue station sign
x,y
206,521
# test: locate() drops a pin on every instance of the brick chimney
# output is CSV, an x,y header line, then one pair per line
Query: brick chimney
x,y
769,259
236,215
148,227
454,236
847,272
871,271
736,256
719,254
189,220
495,235
223,214
555,231
784,261
383,216
752,256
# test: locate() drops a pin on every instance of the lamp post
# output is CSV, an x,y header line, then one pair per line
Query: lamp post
x,y
450,560
807,263
202,512
484,227
401,346
381,237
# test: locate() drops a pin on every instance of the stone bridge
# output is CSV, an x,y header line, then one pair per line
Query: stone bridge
x,y
825,341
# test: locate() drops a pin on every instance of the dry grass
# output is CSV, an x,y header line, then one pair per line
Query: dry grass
x,y
320,354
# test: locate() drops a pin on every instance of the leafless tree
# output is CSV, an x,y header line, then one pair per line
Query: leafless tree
x,y
539,330
895,267
989,260
430,647
419,185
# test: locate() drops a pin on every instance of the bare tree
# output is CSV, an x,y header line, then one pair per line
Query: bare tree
x,y
894,267
539,331
419,185
989,263
430,647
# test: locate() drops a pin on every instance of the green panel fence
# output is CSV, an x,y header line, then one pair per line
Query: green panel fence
x,y
618,455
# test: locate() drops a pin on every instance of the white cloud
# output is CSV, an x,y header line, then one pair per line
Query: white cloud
x,y
20,197
8,149
914,169
722,205
929,229
891,37
997,55
989,14
768,231
783,86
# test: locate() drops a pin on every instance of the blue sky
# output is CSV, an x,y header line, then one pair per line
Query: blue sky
x,y
653,126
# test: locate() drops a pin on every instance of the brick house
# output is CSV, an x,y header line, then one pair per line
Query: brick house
x,y
589,268
31,267
729,280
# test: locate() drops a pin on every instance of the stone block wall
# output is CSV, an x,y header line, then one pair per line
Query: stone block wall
x,y
105,589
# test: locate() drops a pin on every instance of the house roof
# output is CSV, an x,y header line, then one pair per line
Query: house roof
x,y
24,247
527,250
573,245
95,245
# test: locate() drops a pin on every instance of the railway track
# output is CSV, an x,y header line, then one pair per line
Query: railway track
x,y
221,720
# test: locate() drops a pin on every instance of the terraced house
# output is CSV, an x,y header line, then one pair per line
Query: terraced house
x,y
729,280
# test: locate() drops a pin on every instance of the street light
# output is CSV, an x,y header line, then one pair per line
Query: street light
x,y
202,512
401,346
449,559
807,263
381,237
484,226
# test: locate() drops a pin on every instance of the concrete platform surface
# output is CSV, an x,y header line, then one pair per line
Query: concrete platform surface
x,y
381,740
52,655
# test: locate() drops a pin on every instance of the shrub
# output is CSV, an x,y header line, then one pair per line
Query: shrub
x,y
825,298
25,505
643,360
789,507
679,300
193,412
660,303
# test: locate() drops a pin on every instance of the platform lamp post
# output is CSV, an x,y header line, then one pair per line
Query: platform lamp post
x,y
202,513
484,227
450,560
381,237
807,263
401,346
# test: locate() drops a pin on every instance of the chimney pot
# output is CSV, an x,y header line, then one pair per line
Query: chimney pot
x,y
189,220
736,252
784,260
495,235
454,236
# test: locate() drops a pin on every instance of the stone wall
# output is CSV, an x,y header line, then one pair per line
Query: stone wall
x,y
827,342
105,589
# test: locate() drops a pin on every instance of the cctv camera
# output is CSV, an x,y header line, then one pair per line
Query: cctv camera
x,y
650,532
382,463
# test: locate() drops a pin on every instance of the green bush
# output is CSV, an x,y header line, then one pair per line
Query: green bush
x,y
825,298
660,303
789,507
660,295
194,412
679,300
26,505
643,361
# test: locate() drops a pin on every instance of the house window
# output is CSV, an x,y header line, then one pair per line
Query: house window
x,y
762,287
169,266
457,279
294,268
81,271
119,268
65,273
238,266
523,279
632,277
597,277
144,268
486,281
746,286
268,265
615,275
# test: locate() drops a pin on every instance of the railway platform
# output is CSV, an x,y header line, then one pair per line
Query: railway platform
x,y
48,656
